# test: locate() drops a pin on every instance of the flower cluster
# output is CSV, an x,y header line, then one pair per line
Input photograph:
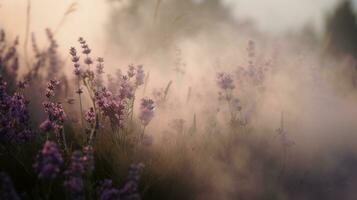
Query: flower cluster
x,y
225,81
23,84
48,161
131,71
74,182
126,89
75,60
90,116
54,110
106,190
55,116
147,108
85,50
99,71
88,158
51,86
100,65
256,71
140,75
14,116
110,106
130,188
127,85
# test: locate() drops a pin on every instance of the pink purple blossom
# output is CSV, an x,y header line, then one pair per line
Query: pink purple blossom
x,y
147,108
225,81
14,116
110,106
90,116
48,161
140,75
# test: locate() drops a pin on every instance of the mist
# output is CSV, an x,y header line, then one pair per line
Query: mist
x,y
293,132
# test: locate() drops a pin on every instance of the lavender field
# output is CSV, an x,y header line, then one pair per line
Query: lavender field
x,y
178,99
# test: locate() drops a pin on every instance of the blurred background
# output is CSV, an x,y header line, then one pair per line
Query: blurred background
x,y
108,23
309,48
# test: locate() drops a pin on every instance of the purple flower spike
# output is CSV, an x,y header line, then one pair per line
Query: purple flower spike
x,y
51,86
147,108
225,81
74,182
48,161
90,116
140,75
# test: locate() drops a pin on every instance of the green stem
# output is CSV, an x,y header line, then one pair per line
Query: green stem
x,y
80,102
48,194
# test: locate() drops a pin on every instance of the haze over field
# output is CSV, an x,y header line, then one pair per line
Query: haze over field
x,y
235,99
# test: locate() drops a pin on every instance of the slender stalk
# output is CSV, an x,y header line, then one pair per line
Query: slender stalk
x,y
80,102
146,82
132,108
64,140
27,29
230,106
48,194
142,133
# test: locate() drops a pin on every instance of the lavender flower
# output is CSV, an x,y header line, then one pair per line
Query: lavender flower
x,y
48,161
56,116
75,186
75,60
131,71
106,190
126,89
23,84
88,158
77,166
147,108
80,164
140,75
7,190
81,41
51,86
88,61
130,188
100,65
85,50
110,107
99,72
225,81
90,116
46,125
74,182
55,112
14,116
